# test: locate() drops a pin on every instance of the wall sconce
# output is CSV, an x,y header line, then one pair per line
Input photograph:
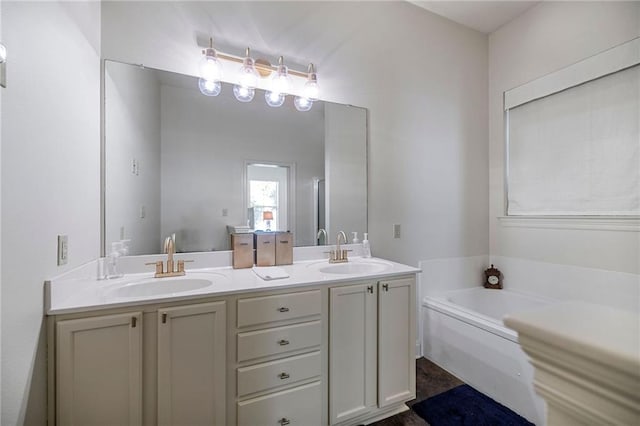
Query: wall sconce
x,y
3,65
249,76
267,216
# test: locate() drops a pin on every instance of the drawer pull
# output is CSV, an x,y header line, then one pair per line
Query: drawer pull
x,y
283,376
370,289
283,309
284,421
283,342
385,287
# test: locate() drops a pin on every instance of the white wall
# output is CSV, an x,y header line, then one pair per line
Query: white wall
x,y
212,138
544,39
423,79
132,131
50,178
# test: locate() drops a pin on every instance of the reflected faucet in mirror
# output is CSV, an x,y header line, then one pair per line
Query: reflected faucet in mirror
x,y
322,232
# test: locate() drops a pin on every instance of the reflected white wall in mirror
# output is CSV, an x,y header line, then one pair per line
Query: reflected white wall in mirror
x,y
176,161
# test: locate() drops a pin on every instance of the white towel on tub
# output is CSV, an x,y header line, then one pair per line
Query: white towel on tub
x,y
270,272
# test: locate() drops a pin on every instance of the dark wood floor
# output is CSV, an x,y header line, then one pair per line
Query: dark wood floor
x,y
430,380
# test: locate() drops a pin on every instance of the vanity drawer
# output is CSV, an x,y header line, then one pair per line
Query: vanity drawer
x,y
259,310
297,406
274,341
269,375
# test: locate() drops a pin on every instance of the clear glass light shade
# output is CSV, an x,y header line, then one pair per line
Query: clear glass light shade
x,y
281,81
210,67
3,53
243,93
302,104
274,99
209,87
311,90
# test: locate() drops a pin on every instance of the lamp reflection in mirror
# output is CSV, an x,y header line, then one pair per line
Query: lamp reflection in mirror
x,y
267,216
210,69
244,90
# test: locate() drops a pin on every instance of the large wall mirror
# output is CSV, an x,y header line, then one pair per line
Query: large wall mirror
x,y
178,162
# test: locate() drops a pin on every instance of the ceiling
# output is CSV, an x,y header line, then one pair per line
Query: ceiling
x,y
483,16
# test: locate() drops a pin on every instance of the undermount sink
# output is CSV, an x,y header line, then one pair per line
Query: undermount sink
x,y
353,267
166,286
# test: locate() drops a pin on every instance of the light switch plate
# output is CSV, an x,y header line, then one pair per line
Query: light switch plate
x,y
396,230
63,249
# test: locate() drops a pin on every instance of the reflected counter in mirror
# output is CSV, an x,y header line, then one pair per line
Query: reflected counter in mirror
x,y
177,162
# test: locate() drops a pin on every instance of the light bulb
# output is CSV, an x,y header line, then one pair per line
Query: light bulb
x,y
209,87
210,67
248,80
274,99
311,89
281,81
302,104
243,93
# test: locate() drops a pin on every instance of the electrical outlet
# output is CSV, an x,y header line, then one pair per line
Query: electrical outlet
x,y
63,249
122,232
143,212
396,230
225,212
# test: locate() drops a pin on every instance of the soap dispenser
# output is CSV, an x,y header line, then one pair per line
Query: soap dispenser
x,y
355,239
118,248
366,247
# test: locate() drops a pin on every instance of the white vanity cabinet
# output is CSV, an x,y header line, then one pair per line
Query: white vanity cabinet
x,y
166,365
192,364
99,370
371,349
280,367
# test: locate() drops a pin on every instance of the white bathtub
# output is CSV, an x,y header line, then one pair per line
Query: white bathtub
x,y
464,334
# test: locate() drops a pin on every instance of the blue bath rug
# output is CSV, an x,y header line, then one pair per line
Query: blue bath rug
x,y
465,406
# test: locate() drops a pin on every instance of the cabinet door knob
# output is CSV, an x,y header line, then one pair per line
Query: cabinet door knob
x,y
283,342
283,309
284,421
370,289
283,376
385,287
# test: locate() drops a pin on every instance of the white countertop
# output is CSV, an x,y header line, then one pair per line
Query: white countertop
x,y
79,292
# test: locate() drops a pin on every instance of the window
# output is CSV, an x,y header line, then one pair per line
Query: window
x,y
577,151
268,196
263,202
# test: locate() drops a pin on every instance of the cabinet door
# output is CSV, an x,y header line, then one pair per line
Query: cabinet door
x,y
191,365
352,351
99,370
396,341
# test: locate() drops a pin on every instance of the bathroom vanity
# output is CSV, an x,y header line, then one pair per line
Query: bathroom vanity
x,y
331,344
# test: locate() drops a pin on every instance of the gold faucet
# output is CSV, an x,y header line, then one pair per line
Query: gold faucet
x,y
171,271
339,255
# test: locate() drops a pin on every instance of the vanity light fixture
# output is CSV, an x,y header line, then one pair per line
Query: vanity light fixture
x,y
310,92
210,72
280,85
251,71
245,89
